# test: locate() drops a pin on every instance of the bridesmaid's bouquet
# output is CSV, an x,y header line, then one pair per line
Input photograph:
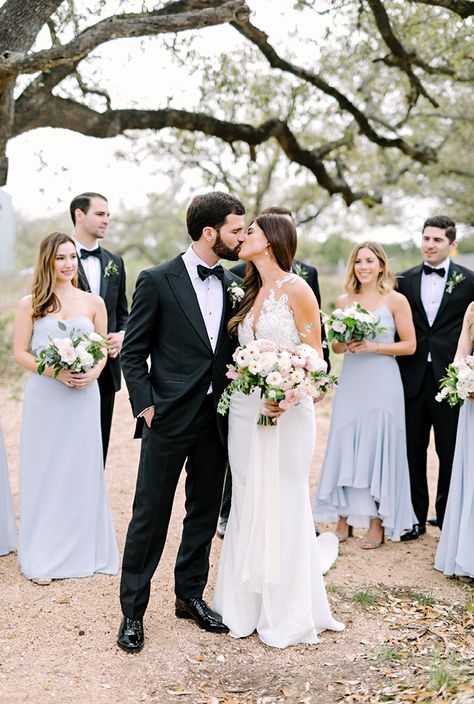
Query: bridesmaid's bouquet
x,y
353,323
284,375
78,351
458,382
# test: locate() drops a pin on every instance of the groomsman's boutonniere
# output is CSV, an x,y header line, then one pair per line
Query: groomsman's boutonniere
x,y
236,293
111,269
455,279
300,271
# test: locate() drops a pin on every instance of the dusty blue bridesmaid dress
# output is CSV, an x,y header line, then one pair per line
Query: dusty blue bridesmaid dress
x,y
65,520
365,463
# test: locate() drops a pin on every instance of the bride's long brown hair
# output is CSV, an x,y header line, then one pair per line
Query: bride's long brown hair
x,y
44,300
470,322
281,235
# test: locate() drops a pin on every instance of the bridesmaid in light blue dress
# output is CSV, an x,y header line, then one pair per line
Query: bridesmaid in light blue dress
x,y
364,479
65,520
8,538
455,554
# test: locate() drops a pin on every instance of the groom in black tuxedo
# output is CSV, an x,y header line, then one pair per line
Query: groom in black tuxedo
x,y
102,273
439,292
179,321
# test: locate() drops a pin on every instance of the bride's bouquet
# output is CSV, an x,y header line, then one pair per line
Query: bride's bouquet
x,y
284,375
78,351
353,323
458,382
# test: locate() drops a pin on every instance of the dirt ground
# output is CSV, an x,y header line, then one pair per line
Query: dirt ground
x,y
409,634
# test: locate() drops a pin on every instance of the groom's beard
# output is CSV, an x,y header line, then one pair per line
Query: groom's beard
x,y
223,251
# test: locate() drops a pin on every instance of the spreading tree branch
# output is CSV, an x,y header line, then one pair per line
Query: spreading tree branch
x,y
422,153
53,111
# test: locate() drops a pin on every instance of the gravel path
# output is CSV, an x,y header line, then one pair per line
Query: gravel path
x,y
57,643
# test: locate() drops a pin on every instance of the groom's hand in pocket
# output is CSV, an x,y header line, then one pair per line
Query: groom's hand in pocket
x,y
148,414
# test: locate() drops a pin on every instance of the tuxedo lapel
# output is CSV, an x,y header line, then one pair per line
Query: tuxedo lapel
x,y
415,283
446,295
104,280
226,308
180,283
82,280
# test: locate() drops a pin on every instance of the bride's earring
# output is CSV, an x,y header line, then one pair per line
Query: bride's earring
x,y
266,252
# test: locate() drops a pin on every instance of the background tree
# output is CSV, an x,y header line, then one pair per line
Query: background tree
x,y
377,103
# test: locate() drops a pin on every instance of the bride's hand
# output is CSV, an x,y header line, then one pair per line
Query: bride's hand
x,y
272,409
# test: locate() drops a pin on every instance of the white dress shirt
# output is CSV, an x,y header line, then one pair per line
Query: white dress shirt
x,y
432,290
209,294
92,268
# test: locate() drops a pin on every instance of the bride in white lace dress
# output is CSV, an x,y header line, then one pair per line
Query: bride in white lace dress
x,y
270,575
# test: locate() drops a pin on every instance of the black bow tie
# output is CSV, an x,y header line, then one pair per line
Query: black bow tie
x,y
429,270
204,272
90,253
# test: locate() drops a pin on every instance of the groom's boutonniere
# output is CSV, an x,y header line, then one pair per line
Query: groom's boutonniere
x,y
111,269
455,279
236,293
301,271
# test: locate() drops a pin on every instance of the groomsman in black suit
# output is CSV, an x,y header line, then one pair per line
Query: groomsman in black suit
x,y
178,321
439,292
310,275
103,273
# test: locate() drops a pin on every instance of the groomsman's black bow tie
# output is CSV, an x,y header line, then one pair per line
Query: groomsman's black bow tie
x,y
429,270
90,253
204,272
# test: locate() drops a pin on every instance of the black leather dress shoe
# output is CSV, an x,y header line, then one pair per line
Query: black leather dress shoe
x,y
199,611
433,521
414,533
130,636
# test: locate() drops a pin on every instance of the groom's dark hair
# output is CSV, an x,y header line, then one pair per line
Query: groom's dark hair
x,y
442,222
211,210
83,202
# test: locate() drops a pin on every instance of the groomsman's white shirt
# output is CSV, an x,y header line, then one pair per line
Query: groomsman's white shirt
x,y
209,295
92,268
432,290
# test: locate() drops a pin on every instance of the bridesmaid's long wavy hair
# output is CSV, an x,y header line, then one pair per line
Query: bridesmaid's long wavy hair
x,y
386,280
281,235
44,300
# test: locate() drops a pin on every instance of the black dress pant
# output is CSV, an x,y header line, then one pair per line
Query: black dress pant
x,y
226,496
107,400
422,413
161,461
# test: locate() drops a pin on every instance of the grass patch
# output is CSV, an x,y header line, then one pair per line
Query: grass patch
x,y
423,599
334,589
390,653
364,597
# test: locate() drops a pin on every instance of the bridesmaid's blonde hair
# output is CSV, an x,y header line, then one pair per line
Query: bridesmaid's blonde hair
x,y
44,300
385,281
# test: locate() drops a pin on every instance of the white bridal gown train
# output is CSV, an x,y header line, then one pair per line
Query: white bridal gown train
x,y
270,576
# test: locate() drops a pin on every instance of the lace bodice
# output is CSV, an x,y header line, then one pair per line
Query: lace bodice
x,y
276,321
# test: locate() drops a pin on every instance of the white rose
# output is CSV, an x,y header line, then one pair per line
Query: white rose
x,y
274,379
238,292
95,337
339,326
85,357
268,360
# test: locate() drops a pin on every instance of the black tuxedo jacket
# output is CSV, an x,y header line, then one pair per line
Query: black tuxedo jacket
x,y
112,290
442,337
166,326
311,278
